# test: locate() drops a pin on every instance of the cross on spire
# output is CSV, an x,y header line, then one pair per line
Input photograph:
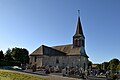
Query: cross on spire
x,y
79,31
78,12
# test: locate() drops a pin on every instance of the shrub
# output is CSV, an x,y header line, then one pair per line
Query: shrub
x,y
9,63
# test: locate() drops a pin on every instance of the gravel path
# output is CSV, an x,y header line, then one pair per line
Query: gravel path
x,y
55,77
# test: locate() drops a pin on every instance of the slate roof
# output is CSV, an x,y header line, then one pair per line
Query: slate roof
x,y
69,50
38,51
49,51
64,49
79,31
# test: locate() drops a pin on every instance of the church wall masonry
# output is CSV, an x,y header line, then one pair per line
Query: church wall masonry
x,y
61,61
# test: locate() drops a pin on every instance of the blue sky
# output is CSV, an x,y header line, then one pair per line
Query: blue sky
x,y
31,23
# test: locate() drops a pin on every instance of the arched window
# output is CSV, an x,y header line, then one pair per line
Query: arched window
x,y
76,42
35,59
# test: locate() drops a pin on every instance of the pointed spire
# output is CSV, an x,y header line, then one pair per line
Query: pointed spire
x,y
79,31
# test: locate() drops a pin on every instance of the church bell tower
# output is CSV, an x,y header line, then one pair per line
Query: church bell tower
x,y
78,38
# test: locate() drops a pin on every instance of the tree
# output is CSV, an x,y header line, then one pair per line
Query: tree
x,y
89,64
8,55
113,64
20,54
118,67
99,66
105,65
1,55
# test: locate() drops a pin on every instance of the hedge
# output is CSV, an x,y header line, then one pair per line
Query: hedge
x,y
9,63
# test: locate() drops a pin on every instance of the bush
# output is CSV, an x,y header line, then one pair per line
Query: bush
x,y
114,76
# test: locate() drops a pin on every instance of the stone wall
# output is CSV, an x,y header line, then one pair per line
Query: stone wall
x,y
38,60
62,61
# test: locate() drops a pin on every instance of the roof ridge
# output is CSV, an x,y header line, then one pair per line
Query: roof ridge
x,y
61,45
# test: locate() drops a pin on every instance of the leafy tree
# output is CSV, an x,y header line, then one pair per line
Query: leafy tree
x,y
1,55
8,55
99,66
118,66
105,65
20,54
113,64
89,64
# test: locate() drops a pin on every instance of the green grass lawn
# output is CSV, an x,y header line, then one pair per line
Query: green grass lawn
x,y
10,75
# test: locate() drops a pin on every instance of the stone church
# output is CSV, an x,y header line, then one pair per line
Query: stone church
x,y
71,55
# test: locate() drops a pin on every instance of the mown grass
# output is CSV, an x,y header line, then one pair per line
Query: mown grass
x,y
9,75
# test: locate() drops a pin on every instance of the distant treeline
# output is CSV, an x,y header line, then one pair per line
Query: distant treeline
x,y
113,64
14,57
